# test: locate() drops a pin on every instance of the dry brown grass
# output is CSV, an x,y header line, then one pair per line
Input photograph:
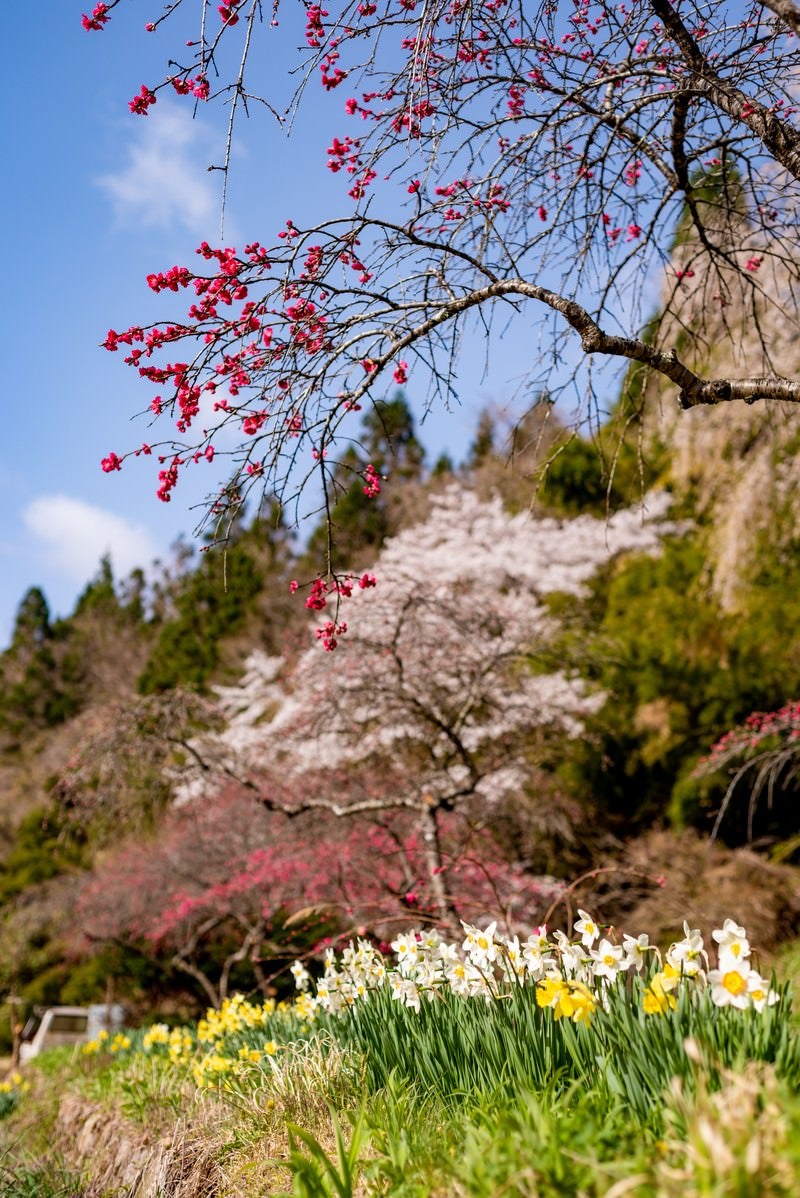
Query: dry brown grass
x,y
705,883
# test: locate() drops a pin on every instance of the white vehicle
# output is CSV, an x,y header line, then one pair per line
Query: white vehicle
x,y
54,1026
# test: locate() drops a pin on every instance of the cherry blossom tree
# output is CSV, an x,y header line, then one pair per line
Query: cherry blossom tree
x,y
564,166
441,705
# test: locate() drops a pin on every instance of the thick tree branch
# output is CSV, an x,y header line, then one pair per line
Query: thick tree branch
x,y
787,12
782,142
694,390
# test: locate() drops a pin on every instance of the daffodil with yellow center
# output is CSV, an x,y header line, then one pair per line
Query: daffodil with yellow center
x,y
731,982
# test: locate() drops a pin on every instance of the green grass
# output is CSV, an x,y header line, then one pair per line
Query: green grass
x,y
41,1179
463,1098
472,1049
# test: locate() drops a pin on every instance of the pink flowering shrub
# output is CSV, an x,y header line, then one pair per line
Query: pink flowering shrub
x,y
761,758
226,886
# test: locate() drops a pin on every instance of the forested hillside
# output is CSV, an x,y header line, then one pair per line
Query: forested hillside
x,y
517,716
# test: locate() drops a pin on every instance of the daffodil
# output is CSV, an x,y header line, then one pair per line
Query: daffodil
x,y
550,991
406,949
251,1055
513,953
479,943
302,978
571,955
587,929
732,940
636,949
658,998
730,984
567,999
608,959
158,1033
578,1004
760,992
688,954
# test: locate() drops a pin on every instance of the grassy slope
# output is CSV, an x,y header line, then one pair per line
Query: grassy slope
x,y
306,1121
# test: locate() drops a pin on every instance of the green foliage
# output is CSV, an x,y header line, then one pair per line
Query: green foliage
x,y
718,193
389,443
212,603
146,1088
45,846
443,466
39,1179
86,981
389,438
469,1050
99,596
601,474
317,1174
483,444
39,675
549,1145
679,672
32,624
413,1139
577,479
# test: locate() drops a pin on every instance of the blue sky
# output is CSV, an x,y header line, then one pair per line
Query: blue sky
x,y
95,199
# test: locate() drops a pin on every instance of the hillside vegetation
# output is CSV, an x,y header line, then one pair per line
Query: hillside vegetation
x,y
517,724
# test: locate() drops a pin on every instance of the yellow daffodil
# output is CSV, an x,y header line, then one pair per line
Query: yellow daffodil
x,y
658,998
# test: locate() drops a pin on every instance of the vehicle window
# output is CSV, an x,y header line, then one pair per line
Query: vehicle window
x,y
68,1023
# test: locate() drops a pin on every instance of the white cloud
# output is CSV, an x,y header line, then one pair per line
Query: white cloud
x,y
75,535
165,181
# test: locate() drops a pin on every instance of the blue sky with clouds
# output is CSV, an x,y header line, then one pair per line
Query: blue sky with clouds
x,y
93,200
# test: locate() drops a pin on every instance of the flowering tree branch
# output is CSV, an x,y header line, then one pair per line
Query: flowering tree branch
x,y
596,160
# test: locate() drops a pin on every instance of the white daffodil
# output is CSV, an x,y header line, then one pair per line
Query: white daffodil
x,y
539,937
447,952
479,943
513,952
608,959
535,962
406,949
636,950
732,940
410,994
587,929
688,954
426,977
761,995
571,955
396,983
430,940
301,975
464,979
730,984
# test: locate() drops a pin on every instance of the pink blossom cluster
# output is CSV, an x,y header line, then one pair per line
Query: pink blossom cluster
x,y
98,18
759,728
